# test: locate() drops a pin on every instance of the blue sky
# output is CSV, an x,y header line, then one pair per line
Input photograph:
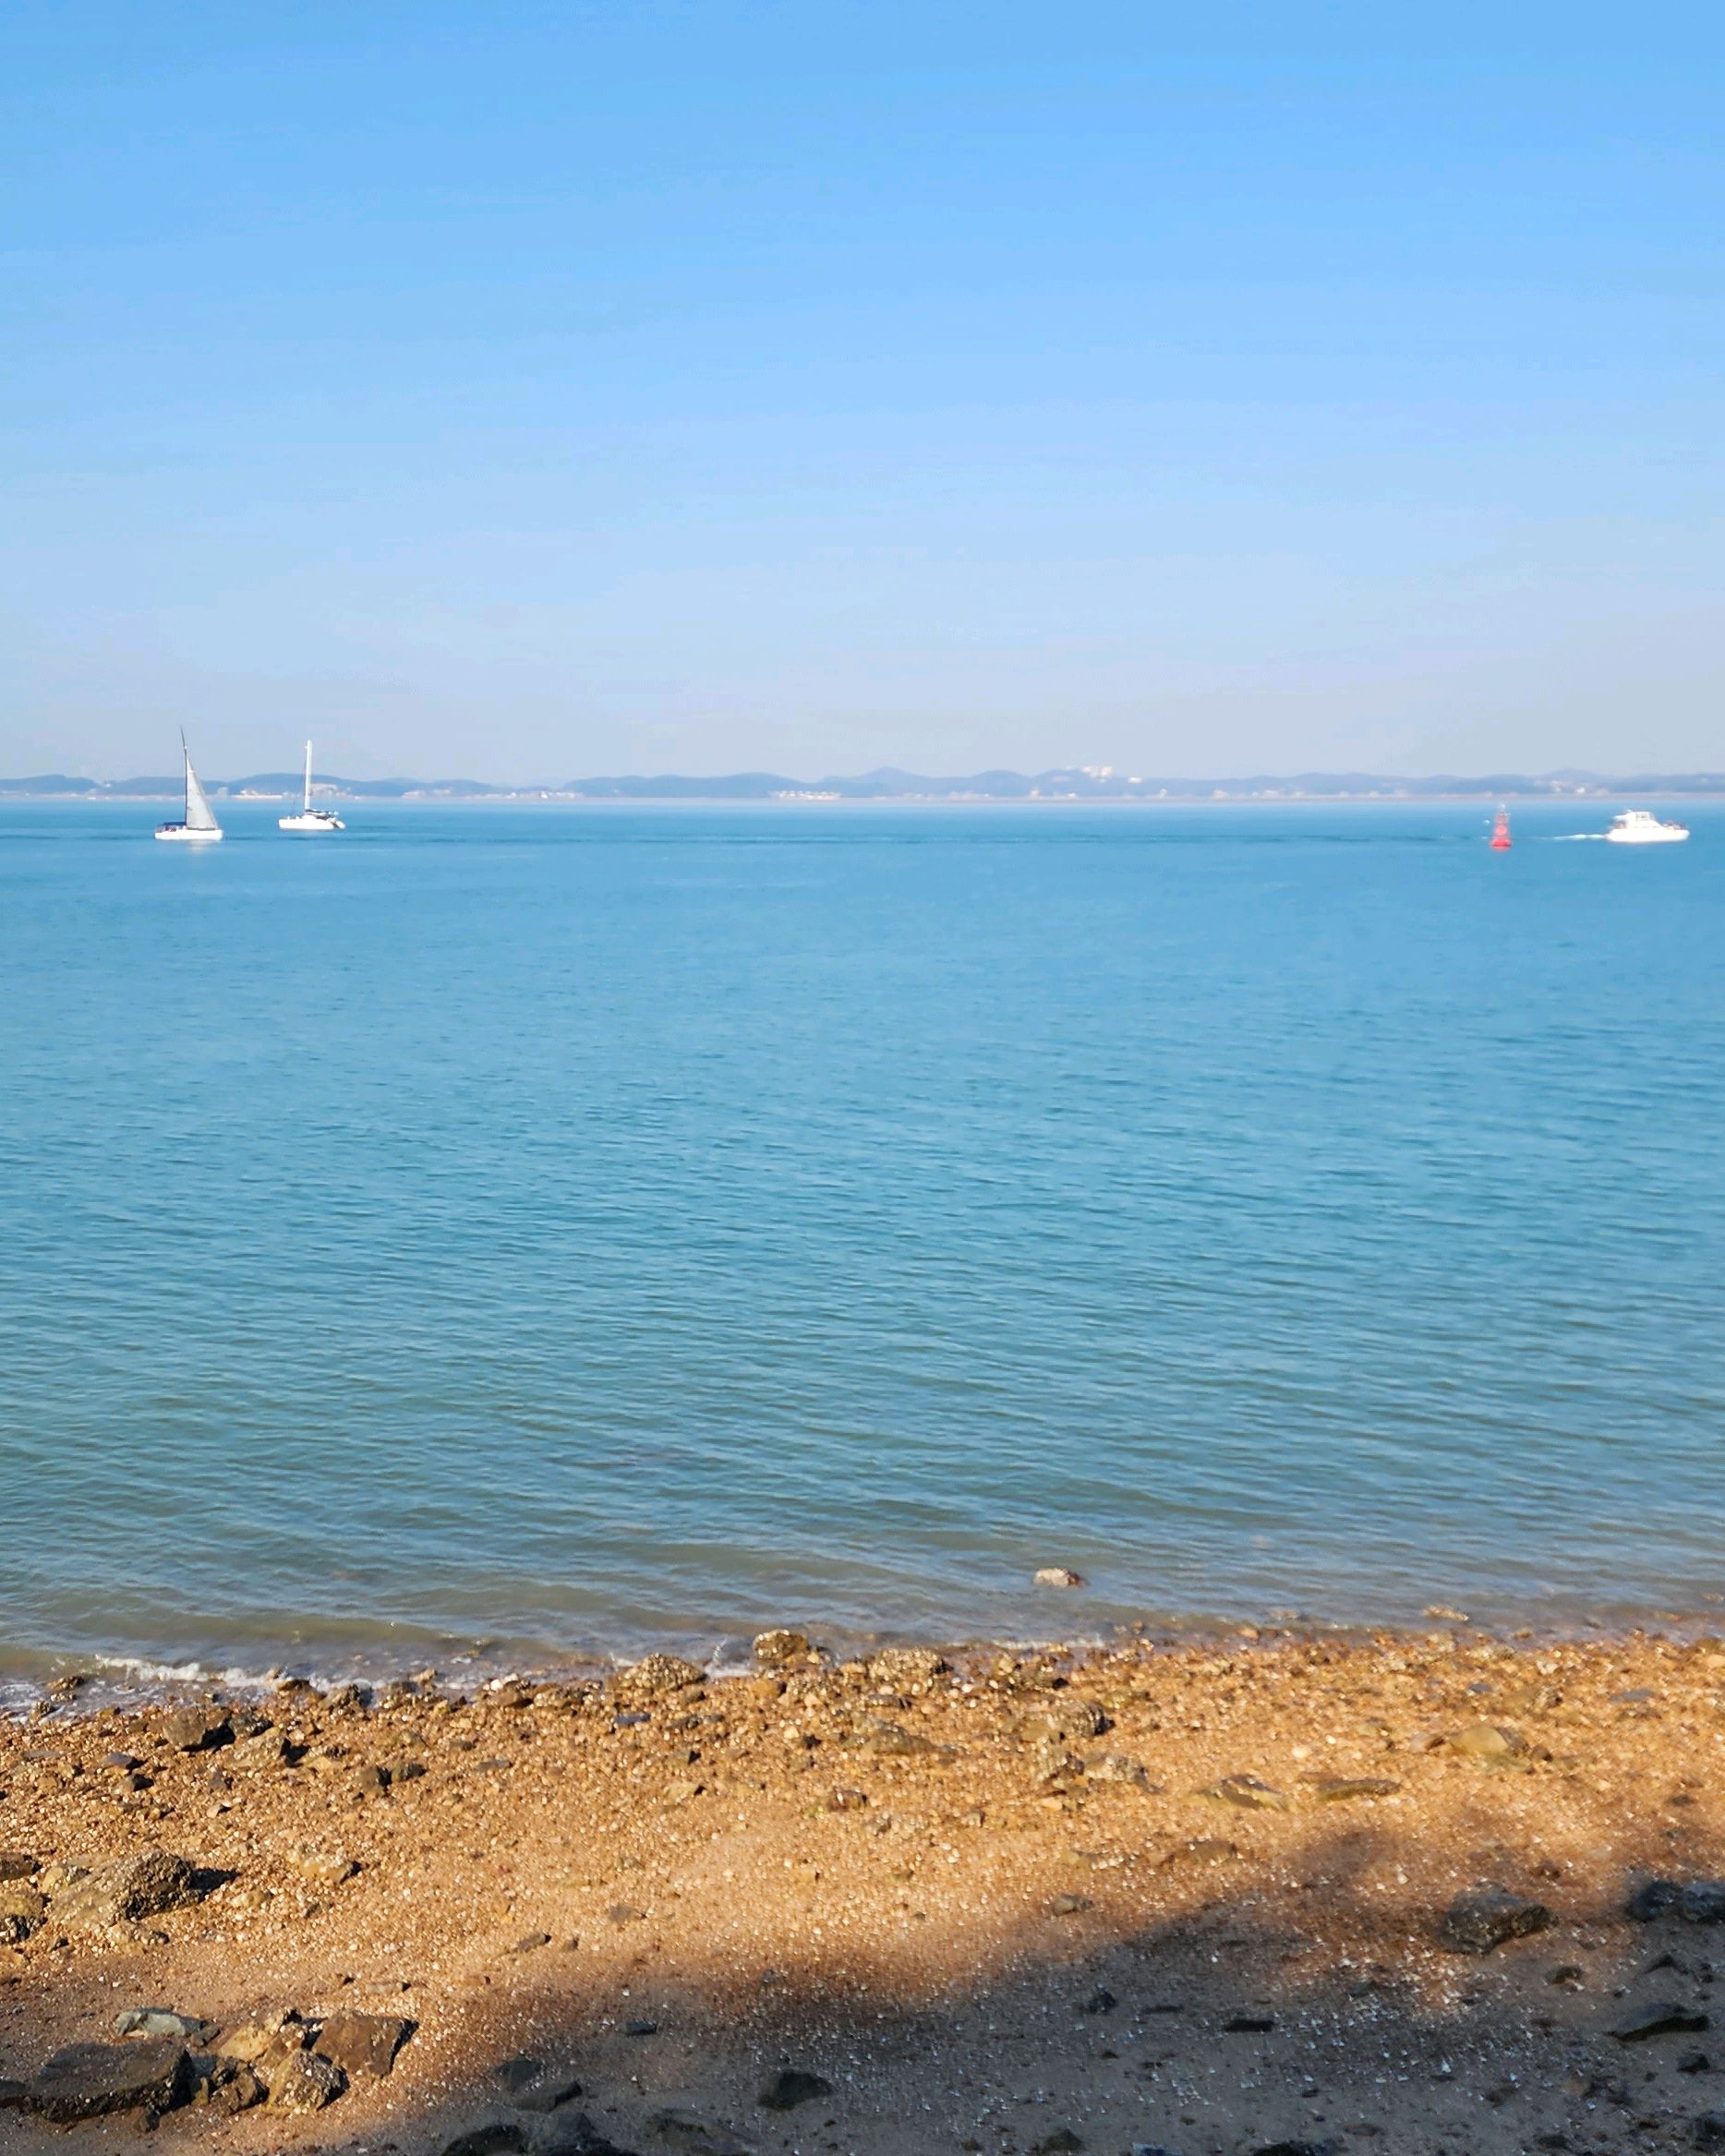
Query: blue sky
x,y
526,391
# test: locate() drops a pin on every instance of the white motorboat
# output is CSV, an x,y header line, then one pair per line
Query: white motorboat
x,y
308,818
1641,827
199,826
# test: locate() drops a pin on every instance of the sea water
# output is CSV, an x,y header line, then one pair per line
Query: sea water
x,y
515,1231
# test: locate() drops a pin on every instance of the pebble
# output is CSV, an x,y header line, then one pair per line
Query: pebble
x,y
1248,1792
907,1669
196,1729
1486,1744
780,1645
163,2021
306,2080
1058,1575
322,1867
534,2084
1115,1766
656,1673
1475,1922
1343,1789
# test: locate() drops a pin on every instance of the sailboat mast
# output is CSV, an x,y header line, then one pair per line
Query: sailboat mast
x,y
304,808
186,758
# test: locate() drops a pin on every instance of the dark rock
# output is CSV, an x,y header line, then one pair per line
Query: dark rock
x,y
1061,2142
492,2138
1694,2062
697,2137
1476,1922
575,2134
1295,2149
1664,2018
407,1770
789,2087
1658,1899
163,2021
17,1864
126,1893
533,2085
640,2027
1249,2024
196,1729
90,2080
1703,1902
306,2080
1101,2001
228,2086
364,2043
12,2094
1708,2130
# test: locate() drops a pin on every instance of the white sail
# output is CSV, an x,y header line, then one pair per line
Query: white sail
x,y
200,817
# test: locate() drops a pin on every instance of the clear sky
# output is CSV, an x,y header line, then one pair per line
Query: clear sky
x,y
521,390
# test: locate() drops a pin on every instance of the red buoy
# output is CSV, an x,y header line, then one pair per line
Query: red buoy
x,y
1501,839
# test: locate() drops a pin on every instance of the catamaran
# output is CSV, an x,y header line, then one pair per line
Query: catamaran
x,y
199,826
308,818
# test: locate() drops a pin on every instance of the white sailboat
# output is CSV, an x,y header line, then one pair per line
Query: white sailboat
x,y
308,818
199,826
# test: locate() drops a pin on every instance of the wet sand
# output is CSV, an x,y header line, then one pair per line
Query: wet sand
x,y
1184,1897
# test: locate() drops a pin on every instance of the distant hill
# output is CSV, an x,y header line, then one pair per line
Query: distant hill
x,y
1090,782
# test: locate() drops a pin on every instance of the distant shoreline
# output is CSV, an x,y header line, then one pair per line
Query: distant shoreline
x,y
1092,787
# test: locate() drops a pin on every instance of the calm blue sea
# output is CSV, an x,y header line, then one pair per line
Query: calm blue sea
x,y
523,1231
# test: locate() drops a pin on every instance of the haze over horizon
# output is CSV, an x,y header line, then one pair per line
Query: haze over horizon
x,y
657,390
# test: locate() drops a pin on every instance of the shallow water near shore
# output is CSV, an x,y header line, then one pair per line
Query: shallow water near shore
x,y
524,1232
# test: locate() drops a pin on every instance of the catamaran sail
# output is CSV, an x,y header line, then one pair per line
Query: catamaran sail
x,y
308,818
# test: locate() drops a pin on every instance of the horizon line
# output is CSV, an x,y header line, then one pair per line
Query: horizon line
x,y
1061,783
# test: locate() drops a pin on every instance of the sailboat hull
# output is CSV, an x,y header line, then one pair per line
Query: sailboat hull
x,y
310,820
185,835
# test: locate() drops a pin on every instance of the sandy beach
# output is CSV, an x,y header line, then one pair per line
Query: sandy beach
x,y
1269,1893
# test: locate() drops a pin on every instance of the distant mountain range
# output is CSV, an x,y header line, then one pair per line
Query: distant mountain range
x,y
1087,782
